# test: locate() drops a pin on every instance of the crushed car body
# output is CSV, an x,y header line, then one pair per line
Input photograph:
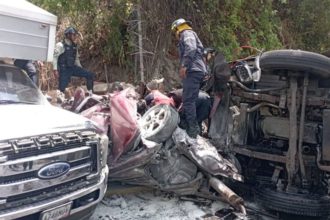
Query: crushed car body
x,y
152,151
269,127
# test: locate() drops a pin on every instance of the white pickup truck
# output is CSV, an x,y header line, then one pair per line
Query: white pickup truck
x,y
52,162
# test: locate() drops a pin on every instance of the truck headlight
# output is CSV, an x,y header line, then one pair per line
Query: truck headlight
x,y
104,145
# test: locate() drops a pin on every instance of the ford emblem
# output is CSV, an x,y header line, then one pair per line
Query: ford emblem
x,y
53,170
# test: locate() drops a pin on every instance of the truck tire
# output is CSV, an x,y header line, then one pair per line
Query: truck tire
x,y
158,123
293,203
296,60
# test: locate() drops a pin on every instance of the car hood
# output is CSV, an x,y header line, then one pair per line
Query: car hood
x,y
18,120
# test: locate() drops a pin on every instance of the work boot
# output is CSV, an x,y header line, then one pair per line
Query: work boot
x,y
192,129
183,124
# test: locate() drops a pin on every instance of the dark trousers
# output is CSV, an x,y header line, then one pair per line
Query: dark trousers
x,y
67,72
191,85
203,106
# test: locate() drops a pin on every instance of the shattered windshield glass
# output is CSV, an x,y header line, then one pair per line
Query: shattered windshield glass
x,y
17,88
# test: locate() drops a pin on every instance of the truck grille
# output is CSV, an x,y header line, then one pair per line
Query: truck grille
x,y
21,148
21,160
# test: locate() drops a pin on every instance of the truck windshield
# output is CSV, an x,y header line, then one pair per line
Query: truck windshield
x,y
16,87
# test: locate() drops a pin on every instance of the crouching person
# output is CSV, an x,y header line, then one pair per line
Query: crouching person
x,y
203,107
155,95
66,61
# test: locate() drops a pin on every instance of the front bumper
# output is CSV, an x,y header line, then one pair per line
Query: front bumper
x,y
36,208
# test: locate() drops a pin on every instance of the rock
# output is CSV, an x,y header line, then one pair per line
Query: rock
x,y
123,204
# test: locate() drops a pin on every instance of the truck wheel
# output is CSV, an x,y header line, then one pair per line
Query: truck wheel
x,y
296,60
158,123
293,203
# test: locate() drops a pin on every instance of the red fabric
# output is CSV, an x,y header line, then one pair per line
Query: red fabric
x,y
160,98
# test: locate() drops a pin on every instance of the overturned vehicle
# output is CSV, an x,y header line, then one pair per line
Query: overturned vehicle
x,y
270,126
275,117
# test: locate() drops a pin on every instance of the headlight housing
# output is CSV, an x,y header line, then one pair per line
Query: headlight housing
x,y
104,146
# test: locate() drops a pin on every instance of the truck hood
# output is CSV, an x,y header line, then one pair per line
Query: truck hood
x,y
18,120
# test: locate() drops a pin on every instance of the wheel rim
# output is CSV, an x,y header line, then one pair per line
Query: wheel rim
x,y
154,121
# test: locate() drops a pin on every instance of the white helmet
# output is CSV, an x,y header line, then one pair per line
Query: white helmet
x,y
178,22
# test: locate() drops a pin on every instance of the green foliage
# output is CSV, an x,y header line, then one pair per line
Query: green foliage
x,y
66,7
235,23
308,23
223,24
101,23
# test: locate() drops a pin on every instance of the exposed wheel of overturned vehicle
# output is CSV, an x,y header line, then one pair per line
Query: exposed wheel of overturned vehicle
x,y
296,60
293,203
158,123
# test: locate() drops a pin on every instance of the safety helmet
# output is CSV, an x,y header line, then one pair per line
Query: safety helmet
x,y
179,22
70,30
208,50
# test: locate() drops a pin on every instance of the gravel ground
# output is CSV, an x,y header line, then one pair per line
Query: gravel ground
x,y
162,206
147,205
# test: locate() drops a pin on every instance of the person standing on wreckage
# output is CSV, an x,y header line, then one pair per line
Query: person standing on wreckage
x,y
192,71
66,61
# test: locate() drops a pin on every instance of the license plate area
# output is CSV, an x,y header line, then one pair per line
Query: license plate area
x,y
57,212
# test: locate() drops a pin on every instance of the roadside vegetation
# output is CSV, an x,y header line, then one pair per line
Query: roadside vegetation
x,y
110,33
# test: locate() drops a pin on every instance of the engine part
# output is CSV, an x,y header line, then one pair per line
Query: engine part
x,y
269,80
243,72
255,90
240,129
258,106
325,135
281,130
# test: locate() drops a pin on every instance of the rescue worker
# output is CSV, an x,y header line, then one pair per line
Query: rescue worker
x,y
192,70
29,68
203,106
66,61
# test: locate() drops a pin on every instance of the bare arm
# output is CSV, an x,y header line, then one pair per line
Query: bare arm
x,y
77,61
59,49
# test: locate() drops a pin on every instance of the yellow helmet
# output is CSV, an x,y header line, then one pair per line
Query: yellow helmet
x,y
179,22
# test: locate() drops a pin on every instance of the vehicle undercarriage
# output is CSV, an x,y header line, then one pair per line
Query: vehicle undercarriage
x,y
279,129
